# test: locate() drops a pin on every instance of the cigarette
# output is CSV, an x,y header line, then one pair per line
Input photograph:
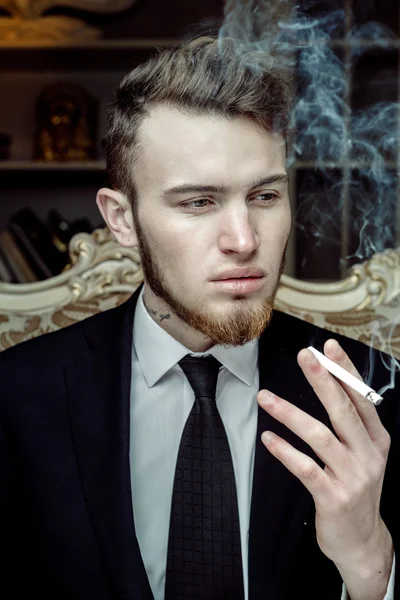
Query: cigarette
x,y
357,385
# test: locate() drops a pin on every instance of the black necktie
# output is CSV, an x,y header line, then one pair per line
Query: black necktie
x,y
204,554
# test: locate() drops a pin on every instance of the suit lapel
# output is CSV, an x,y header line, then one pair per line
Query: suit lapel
x,y
280,505
98,383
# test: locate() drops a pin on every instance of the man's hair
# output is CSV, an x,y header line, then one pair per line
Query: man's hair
x,y
203,76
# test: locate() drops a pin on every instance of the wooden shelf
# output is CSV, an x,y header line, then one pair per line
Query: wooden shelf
x,y
149,43
111,44
99,55
30,175
29,165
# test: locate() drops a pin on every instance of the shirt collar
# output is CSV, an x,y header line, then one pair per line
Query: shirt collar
x,y
158,351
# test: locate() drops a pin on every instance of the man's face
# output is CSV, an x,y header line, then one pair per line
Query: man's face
x,y
233,217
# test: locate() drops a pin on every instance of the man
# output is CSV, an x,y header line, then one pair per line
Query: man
x,y
93,416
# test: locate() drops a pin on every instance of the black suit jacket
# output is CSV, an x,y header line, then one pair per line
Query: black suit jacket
x,y
67,528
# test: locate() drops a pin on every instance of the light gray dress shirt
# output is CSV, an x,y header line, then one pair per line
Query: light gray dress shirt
x,y
161,400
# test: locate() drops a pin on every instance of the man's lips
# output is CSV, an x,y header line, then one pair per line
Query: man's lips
x,y
242,285
240,273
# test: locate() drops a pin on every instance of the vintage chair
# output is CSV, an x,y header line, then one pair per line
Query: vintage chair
x,y
364,306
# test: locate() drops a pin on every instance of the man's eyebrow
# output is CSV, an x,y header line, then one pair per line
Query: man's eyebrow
x,y
278,178
190,188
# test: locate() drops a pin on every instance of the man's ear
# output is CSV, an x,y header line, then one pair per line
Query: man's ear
x,y
116,210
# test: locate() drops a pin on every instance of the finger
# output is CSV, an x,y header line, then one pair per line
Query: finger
x,y
366,410
319,437
342,413
300,465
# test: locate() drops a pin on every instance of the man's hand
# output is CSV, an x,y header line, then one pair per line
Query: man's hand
x,y
347,492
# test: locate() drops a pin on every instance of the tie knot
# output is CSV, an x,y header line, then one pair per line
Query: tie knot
x,y
202,374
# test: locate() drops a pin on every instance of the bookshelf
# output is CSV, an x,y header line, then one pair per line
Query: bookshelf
x,y
26,68
127,39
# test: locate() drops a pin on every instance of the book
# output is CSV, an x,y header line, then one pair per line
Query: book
x,y
15,260
6,275
35,241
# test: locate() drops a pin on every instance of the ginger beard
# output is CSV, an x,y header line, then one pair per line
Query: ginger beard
x,y
238,325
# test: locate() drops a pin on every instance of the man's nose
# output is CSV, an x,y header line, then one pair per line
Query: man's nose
x,y
240,234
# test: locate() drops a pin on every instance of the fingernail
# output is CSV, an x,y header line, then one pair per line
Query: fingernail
x,y
267,398
267,436
338,348
334,346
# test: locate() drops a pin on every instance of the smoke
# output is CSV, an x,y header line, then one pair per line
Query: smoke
x,y
347,145
352,148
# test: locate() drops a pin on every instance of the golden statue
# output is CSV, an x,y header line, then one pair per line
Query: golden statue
x,y
66,124
28,23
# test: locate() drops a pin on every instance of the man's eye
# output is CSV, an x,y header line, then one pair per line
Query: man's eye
x,y
185,204
267,197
